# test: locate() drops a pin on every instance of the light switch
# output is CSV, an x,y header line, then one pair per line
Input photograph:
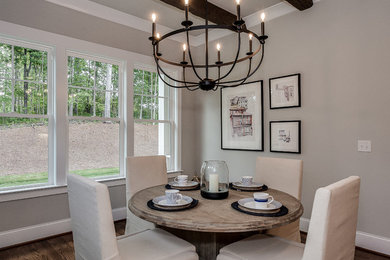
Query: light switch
x,y
364,146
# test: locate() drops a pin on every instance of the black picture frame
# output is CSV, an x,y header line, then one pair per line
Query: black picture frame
x,y
298,103
297,137
261,119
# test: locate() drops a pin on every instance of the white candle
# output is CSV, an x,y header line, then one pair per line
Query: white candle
x,y
213,183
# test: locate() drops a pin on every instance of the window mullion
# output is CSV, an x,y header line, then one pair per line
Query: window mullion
x,y
13,80
94,89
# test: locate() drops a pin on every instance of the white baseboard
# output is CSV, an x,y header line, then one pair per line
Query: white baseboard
x,y
119,213
31,233
364,240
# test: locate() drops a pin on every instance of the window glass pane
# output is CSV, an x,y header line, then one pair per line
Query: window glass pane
x,y
154,89
106,104
30,64
80,102
93,148
5,96
102,94
5,61
151,139
147,88
138,81
150,108
146,107
30,98
23,151
81,72
137,107
106,76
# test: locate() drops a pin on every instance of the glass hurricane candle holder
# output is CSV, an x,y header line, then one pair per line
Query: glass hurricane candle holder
x,y
214,180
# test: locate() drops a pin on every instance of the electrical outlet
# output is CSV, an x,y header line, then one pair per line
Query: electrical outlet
x,y
364,146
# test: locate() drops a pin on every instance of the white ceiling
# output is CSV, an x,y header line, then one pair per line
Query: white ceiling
x,y
171,17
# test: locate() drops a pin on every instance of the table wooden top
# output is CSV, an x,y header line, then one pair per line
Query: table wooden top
x,y
213,215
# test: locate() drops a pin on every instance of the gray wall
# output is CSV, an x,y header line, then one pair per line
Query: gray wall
x,y
341,49
34,211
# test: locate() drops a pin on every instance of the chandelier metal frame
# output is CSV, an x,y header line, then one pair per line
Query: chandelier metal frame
x,y
206,83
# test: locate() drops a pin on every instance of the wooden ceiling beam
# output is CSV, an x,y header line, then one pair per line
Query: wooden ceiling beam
x,y
216,14
301,4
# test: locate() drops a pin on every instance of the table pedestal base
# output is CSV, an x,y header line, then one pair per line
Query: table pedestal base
x,y
208,244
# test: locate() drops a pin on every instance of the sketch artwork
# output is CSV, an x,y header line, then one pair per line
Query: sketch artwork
x,y
242,117
285,91
241,120
285,136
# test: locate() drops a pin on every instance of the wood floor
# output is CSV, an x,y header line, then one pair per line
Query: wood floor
x,y
61,248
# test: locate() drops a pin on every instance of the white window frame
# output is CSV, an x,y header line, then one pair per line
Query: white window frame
x,y
59,45
174,117
51,104
121,110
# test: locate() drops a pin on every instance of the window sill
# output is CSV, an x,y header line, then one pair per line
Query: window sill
x,y
41,191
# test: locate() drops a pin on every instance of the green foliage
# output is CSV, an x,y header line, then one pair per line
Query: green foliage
x,y
23,80
146,95
89,85
42,177
13,122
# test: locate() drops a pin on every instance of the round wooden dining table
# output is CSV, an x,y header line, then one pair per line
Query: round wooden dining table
x,y
212,224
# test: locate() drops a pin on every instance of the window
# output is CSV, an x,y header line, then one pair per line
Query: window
x,y
95,117
25,114
154,116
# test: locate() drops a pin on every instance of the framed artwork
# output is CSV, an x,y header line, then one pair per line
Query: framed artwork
x,y
285,92
285,136
242,117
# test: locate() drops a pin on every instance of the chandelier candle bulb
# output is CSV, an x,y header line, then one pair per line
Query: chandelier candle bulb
x,y
219,51
238,10
184,51
186,8
250,42
213,183
262,24
153,24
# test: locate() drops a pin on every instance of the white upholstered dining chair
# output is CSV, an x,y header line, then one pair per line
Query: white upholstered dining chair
x,y
143,172
94,232
284,175
331,233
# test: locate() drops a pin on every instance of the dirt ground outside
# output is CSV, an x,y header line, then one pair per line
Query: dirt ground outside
x,y
92,145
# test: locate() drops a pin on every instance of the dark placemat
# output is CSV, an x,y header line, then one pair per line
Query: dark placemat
x,y
192,205
263,188
169,187
283,211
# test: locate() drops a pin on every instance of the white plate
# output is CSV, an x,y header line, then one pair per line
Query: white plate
x,y
253,185
184,185
162,201
250,204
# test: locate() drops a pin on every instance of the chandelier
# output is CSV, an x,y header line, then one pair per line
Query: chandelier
x,y
206,82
